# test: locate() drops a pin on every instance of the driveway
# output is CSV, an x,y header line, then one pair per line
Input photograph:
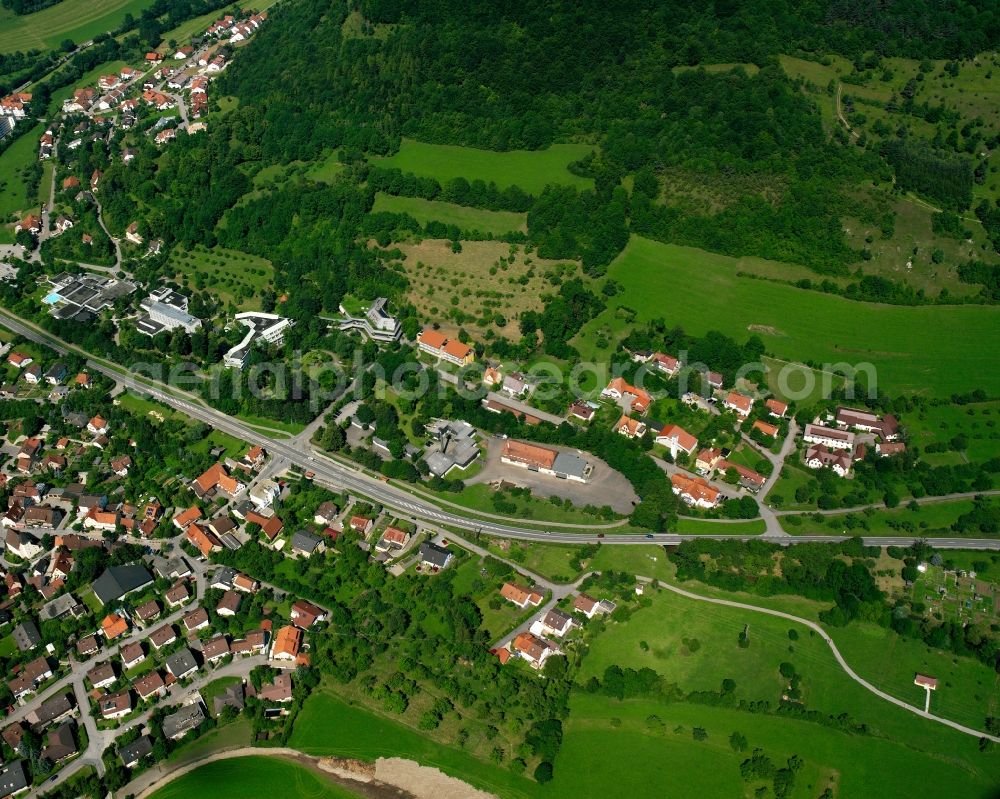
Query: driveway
x,y
605,487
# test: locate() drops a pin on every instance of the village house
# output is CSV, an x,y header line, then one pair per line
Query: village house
x,y
830,437
741,404
115,706
195,620
769,430
216,479
633,399
163,636
629,427
287,644
230,603
820,456
392,539
520,595
866,422
440,346
150,685
776,408
102,675
181,664
177,595
677,440
695,491
556,623
215,649
132,655
305,614
533,649
667,364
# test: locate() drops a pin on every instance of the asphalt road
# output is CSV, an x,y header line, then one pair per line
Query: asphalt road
x,y
347,478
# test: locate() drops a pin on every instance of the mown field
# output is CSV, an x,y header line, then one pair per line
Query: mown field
x,y
930,519
469,220
929,349
240,777
969,432
78,20
532,170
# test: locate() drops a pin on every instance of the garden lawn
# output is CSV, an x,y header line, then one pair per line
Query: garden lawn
x,y
692,526
474,221
531,170
934,350
217,688
70,19
239,777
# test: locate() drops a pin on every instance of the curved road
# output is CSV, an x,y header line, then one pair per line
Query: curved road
x,y
836,653
352,479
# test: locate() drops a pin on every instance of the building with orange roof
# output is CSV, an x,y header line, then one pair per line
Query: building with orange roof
x,y
184,518
98,425
636,399
533,649
695,491
520,595
740,403
217,478
203,540
287,643
776,407
677,440
113,626
544,460
435,343
767,429
630,428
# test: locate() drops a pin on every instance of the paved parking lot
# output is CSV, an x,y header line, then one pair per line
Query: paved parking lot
x,y
605,487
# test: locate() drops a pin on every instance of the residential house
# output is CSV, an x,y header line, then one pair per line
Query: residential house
x,y
181,664
131,754
177,595
163,636
177,725
113,626
305,543
521,595
132,655
769,430
203,540
440,346
195,620
740,403
102,675
149,685
707,459
279,691
677,440
215,649
629,427
305,614
587,605
433,556
556,622
820,456
115,706
533,649
830,437
230,603
287,644
666,363
263,493
776,408
885,449
633,399
392,539
695,491
184,518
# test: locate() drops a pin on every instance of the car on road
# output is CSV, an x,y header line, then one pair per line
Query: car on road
x,y
649,535
600,535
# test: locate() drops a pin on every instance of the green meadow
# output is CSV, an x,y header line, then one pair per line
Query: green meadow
x,y
929,519
78,20
532,170
239,777
701,291
329,726
469,220
13,198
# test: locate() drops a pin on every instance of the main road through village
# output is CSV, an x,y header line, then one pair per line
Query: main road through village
x,y
346,478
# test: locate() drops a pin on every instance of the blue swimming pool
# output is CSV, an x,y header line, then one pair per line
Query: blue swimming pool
x,y
52,299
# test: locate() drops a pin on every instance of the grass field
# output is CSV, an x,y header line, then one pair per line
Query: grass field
x,y
691,526
327,169
700,291
78,20
645,749
970,431
928,520
13,197
235,277
472,287
532,170
239,777
695,645
329,726
474,221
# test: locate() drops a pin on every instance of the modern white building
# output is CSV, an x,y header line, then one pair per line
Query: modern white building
x,y
378,324
266,327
